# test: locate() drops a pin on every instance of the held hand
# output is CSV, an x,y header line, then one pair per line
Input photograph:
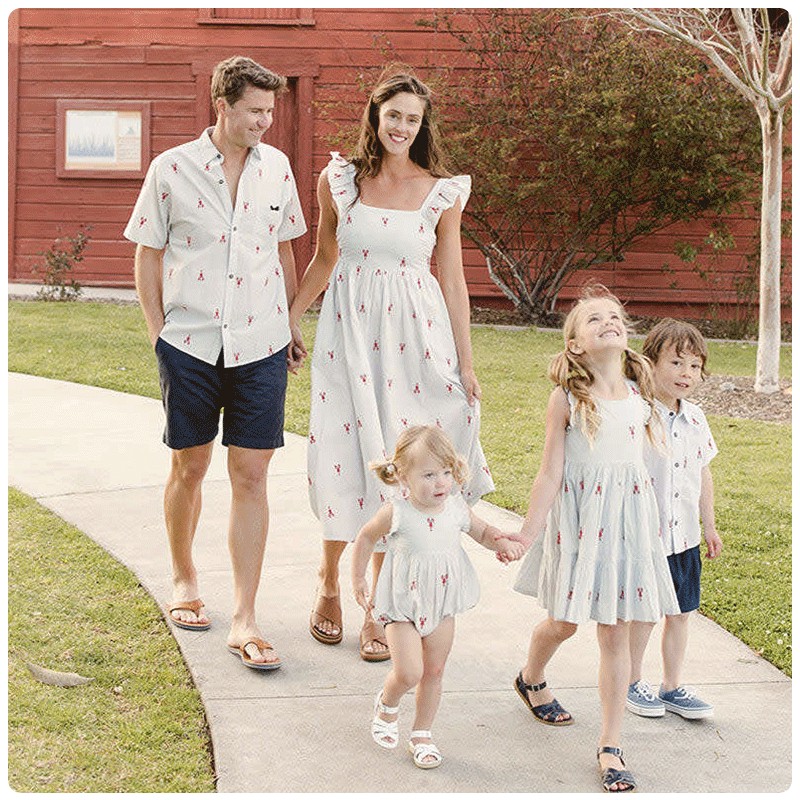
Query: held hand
x,y
713,545
361,593
296,352
508,551
471,385
524,541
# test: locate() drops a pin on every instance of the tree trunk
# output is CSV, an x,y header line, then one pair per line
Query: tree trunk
x,y
769,317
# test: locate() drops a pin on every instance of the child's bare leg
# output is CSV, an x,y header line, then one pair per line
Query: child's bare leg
x,y
405,645
673,648
615,669
639,635
546,638
435,650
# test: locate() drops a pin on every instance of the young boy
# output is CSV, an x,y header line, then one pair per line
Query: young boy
x,y
685,493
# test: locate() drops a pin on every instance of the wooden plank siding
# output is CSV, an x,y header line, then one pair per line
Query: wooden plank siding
x,y
165,56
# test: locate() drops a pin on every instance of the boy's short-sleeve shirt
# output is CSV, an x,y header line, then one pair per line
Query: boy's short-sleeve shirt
x,y
676,474
223,284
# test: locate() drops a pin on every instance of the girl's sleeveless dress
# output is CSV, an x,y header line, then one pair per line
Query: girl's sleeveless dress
x,y
384,356
600,556
426,574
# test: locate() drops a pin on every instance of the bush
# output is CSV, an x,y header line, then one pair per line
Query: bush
x,y
58,265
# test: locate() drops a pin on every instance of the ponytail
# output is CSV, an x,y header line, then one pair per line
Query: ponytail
x,y
568,371
640,369
386,471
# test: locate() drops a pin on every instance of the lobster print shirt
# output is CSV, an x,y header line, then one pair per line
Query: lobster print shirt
x,y
223,284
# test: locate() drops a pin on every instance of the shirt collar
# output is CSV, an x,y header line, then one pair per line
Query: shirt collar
x,y
668,413
209,152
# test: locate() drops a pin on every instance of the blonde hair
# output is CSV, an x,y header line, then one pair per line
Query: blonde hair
x,y
435,441
571,371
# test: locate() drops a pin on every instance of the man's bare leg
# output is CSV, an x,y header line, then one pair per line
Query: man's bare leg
x,y
247,538
182,504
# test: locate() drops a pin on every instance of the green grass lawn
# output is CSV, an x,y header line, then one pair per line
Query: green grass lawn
x,y
139,726
747,590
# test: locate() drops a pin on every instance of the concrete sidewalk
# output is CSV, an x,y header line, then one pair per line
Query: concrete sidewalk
x,y
95,458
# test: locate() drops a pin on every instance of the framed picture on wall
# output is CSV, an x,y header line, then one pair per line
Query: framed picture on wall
x,y
102,138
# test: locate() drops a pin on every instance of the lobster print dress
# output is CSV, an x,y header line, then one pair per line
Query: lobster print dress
x,y
600,556
426,574
384,355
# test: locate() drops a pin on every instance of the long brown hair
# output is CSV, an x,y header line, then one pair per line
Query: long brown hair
x,y
571,371
425,151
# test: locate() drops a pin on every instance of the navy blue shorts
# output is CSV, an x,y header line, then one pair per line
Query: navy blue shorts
x,y
685,568
193,393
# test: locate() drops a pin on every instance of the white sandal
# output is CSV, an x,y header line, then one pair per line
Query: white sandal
x,y
422,750
381,729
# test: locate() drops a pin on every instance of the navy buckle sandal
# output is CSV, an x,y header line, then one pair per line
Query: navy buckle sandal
x,y
611,775
547,713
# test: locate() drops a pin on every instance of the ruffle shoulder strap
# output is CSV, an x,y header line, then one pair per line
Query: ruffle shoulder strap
x,y
445,194
397,502
341,177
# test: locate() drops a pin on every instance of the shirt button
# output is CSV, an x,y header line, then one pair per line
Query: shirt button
x,y
677,494
676,463
226,325
236,229
231,277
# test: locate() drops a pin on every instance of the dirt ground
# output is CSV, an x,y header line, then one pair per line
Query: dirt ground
x,y
734,396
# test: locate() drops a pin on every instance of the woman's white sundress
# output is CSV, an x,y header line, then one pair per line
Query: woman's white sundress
x,y
600,556
384,356
426,574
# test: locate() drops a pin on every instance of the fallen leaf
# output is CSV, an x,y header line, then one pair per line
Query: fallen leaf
x,y
55,678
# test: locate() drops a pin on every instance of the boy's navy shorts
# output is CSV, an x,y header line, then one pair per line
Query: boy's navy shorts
x,y
685,568
193,393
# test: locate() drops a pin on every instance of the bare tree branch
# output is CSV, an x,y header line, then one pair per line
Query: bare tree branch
x,y
769,92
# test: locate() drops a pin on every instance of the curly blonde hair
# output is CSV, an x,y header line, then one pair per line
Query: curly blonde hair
x,y
432,439
571,370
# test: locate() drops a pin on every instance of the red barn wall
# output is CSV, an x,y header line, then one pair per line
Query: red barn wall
x,y
165,56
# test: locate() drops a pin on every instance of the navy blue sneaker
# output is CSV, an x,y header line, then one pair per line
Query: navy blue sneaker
x,y
685,702
641,700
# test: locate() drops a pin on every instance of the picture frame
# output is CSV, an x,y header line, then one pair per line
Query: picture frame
x,y
102,138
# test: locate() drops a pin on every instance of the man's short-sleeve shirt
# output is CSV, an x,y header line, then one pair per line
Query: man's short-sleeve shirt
x,y
676,474
223,285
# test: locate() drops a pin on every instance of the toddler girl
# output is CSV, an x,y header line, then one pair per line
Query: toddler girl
x,y
600,556
426,577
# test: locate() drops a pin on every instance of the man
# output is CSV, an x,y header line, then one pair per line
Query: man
x,y
215,275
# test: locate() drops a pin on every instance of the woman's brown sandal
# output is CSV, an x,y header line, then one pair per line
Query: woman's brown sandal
x,y
326,609
370,633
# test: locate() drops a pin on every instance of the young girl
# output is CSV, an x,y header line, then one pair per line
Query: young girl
x,y
426,577
600,556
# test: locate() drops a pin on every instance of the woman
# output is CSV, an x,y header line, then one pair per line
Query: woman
x,y
392,345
